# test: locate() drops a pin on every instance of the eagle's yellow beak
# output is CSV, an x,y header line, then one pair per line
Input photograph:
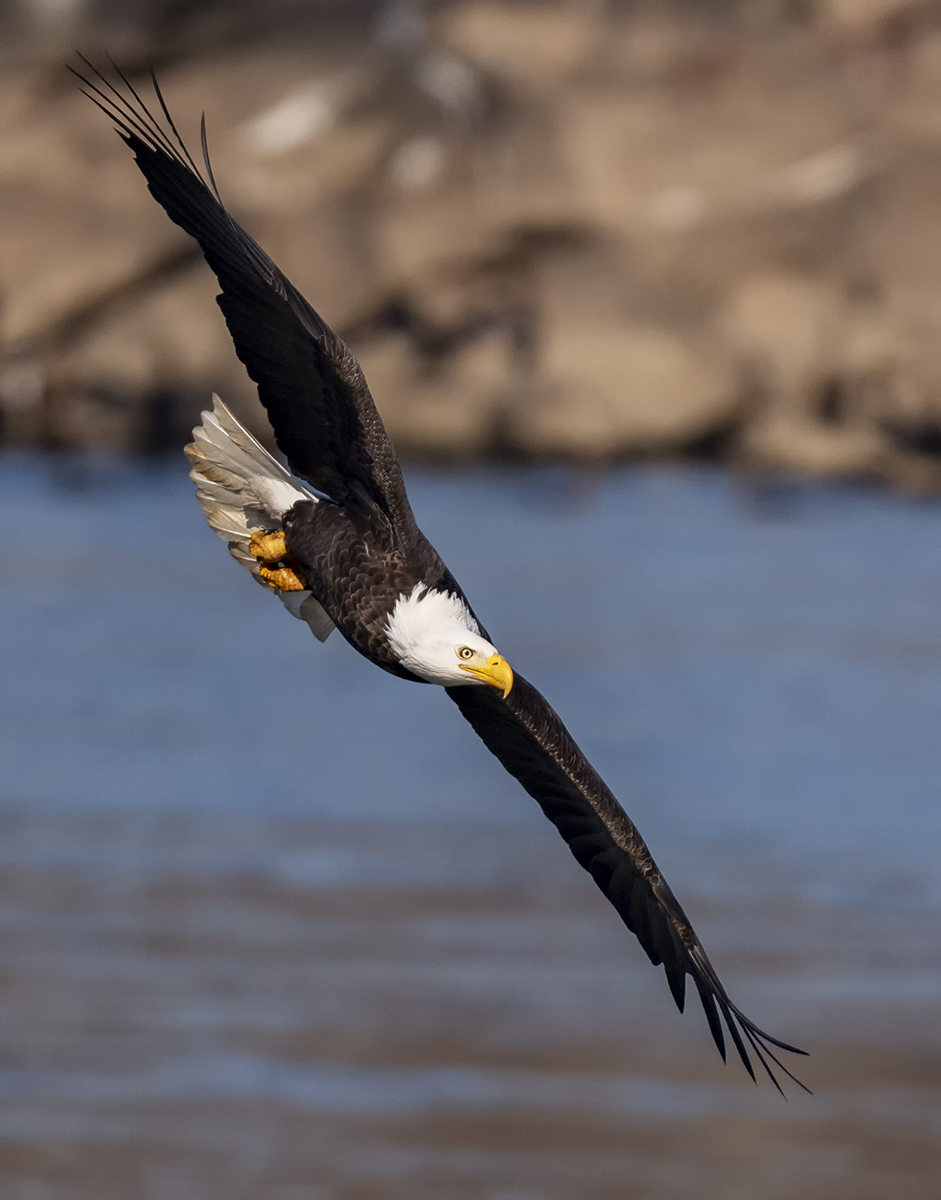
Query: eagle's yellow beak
x,y
496,671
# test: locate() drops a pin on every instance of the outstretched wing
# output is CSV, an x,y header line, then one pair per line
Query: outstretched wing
x,y
319,405
529,739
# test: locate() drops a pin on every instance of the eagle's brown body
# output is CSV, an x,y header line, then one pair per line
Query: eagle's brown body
x,y
359,550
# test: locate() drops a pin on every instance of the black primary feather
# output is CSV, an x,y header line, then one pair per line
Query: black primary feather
x,y
323,415
326,424
531,742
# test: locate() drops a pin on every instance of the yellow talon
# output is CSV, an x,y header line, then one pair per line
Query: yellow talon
x,y
269,547
282,578
270,550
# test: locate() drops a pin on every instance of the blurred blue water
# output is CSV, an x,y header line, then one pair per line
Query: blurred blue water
x,y
261,903
753,669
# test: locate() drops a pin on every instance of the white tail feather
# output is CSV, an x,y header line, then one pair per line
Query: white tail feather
x,y
242,489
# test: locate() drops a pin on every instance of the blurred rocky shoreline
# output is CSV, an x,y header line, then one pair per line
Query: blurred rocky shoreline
x,y
577,230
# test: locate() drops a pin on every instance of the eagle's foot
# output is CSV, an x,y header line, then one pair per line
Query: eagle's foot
x,y
276,566
285,579
269,547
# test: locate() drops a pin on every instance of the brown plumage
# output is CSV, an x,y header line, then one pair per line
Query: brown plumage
x,y
360,552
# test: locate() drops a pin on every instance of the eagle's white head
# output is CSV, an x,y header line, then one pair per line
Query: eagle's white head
x,y
435,637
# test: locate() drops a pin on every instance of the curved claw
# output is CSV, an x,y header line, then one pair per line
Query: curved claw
x,y
284,579
268,546
276,567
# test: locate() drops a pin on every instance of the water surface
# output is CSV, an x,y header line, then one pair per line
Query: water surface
x,y
276,925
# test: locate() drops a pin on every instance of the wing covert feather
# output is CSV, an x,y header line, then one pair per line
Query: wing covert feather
x,y
531,742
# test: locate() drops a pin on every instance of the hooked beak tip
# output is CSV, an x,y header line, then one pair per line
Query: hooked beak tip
x,y
497,672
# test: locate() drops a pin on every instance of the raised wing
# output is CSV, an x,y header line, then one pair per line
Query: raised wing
x,y
319,405
531,742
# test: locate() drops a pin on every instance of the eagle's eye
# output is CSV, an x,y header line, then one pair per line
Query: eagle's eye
x,y
465,652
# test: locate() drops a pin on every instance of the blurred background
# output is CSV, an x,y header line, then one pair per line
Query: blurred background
x,y
649,296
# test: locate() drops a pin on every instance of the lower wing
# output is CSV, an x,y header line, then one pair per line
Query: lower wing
x,y
531,742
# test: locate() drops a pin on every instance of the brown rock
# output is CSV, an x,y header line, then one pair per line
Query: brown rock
x,y
783,326
662,163
789,442
175,335
76,222
726,210
417,236
536,44
450,414
915,110
615,390
855,17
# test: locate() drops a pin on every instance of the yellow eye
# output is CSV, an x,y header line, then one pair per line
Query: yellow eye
x,y
465,652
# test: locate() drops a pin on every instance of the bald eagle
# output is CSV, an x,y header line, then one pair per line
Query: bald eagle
x,y
335,539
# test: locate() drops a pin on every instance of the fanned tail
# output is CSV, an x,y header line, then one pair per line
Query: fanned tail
x,y
243,490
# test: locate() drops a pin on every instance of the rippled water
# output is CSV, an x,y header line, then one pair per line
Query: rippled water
x,y
275,925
